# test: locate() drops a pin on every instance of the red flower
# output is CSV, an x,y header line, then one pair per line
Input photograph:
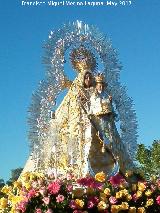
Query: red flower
x,y
116,180
98,186
54,187
88,181
32,193
93,201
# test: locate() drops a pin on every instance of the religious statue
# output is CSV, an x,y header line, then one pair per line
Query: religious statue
x,y
86,123
82,135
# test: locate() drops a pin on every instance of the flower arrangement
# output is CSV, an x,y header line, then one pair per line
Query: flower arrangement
x,y
37,193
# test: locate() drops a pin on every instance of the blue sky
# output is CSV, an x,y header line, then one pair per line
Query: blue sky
x,y
135,33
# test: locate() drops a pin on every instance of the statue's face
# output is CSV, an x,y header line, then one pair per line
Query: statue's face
x,y
88,79
82,65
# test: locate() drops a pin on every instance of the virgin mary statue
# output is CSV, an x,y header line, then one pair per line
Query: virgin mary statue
x,y
81,142
82,136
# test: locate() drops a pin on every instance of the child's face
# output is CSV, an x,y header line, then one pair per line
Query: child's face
x,y
99,87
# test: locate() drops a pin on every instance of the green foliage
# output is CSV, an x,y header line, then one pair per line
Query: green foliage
x,y
15,173
149,159
2,183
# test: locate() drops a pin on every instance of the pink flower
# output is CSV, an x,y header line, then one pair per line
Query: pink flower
x,y
42,191
32,193
60,198
77,211
72,204
153,188
69,188
90,204
46,200
54,187
112,200
134,197
49,211
38,211
158,200
22,206
116,180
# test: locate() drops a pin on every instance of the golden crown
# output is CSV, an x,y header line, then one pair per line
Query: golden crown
x,y
100,78
83,59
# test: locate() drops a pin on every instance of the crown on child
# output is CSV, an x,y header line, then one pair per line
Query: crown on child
x,y
100,78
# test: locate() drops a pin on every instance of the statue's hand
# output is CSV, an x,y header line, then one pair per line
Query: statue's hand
x,y
110,98
90,116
